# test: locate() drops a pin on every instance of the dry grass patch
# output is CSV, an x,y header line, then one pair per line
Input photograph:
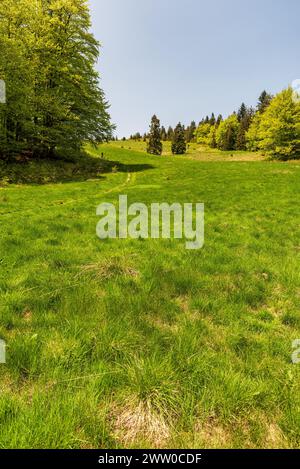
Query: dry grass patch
x,y
138,423
27,315
212,434
275,439
110,268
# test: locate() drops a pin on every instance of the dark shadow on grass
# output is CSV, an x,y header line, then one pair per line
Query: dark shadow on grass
x,y
46,171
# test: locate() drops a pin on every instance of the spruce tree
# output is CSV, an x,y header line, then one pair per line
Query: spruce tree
x,y
163,134
212,119
190,132
242,112
244,116
178,143
264,101
170,134
154,145
241,138
219,120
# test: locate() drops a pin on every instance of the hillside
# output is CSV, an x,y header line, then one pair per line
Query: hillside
x,y
132,343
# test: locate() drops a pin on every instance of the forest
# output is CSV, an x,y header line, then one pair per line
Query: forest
x,y
149,284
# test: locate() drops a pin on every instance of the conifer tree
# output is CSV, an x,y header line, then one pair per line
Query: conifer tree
x,y
241,138
163,134
264,101
212,119
242,112
191,132
219,120
178,143
244,116
170,134
154,145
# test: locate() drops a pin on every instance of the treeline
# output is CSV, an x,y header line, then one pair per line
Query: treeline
x,y
154,138
167,135
272,127
47,61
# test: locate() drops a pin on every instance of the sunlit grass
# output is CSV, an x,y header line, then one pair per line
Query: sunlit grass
x,y
142,343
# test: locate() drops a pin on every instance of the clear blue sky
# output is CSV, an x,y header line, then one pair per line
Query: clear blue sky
x,y
183,59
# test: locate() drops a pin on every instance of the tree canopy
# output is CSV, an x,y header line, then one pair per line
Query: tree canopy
x,y
48,56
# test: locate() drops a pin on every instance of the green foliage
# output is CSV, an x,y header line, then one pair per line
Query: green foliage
x,y
252,135
203,133
48,58
154,145
219,120
190,132
242,112
212,140
163,134
279,130
264,101
227,133
179,143
170,134
276,131
245,116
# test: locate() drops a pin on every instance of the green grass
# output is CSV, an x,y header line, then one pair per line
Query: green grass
x,y
125,343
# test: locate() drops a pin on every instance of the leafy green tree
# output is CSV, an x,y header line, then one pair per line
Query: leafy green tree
x,y
48,58
154,145
212,140
227,132
179,143
203,133
279,127
252,135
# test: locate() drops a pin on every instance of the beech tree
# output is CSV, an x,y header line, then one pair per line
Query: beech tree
x,y
227,132
279,127
48,56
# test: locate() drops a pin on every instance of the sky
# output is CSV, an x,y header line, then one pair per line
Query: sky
x,y
184,59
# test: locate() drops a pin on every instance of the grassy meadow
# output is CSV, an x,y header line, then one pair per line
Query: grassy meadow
x,y
142,343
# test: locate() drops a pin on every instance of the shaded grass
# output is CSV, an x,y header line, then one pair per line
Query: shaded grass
x,y
142,343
